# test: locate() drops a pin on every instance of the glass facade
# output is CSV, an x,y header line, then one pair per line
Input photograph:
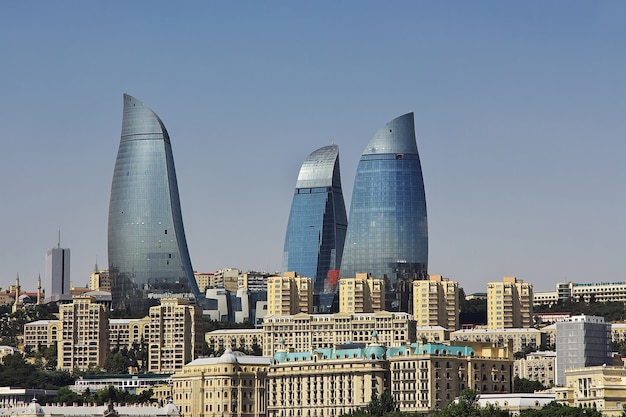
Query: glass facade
x,y
388,232
317,225
148,256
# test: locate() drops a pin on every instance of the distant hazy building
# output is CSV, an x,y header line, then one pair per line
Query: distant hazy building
x,y
289,294
362,294
436,302
175,336
57,276
387,234
317,225
148,256
83,339
509,304
600,292
100,280
582,341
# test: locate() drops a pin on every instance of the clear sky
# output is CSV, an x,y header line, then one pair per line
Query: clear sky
x,y
520,112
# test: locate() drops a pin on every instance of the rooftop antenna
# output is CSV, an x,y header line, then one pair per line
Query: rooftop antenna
x,y
59,243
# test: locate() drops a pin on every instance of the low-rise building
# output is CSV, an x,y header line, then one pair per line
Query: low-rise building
x,y
235,339
521,338
537,366
602,388
432,334
129,383
233,384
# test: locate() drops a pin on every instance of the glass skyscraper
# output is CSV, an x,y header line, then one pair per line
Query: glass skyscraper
x,y
148,256
388,231
317,225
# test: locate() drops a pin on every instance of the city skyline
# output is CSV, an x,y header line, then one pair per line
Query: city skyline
x,y
518,113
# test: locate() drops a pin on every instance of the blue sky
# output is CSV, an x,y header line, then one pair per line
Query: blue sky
x,y
519,109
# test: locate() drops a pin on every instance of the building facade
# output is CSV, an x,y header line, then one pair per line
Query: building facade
x,y
233,384
306,332
235,339
537,366
148,256
509,304
289,294
436,302
362,294
317,225
601,388
83,339
175,336
582,341
520,338
388,231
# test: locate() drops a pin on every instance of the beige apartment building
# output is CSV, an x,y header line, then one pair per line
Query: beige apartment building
x,y
305,332
41,333
175,335
203,279
362,294
83,336
289,294
509,304
127,332
234,339
230,385
537,366
436,302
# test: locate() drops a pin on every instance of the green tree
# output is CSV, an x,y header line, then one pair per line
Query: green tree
x,y
379,406
526,385
66,395
117,363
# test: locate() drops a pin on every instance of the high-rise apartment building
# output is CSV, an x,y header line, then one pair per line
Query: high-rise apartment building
x,y
362,294
57,276
83,341
436,302
317,225
509,304
148,256
388,231
581,341
175,336
289,294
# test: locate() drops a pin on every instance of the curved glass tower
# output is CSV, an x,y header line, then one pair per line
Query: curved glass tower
x,y
148,256
388,232
317,225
